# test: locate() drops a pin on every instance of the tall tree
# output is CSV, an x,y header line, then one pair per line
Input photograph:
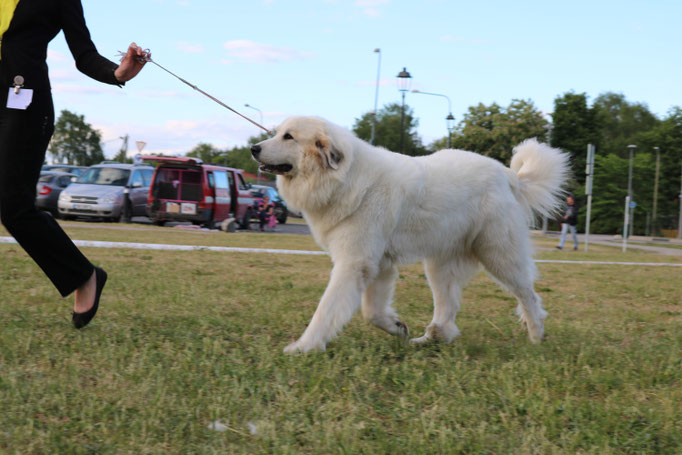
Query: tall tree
x,y
494,131
388,126
667,136
75,141
574,126
122,155
240,157
206,153
610,189
620,122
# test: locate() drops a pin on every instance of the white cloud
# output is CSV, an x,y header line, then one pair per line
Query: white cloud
x,y
56,57
371,3
371,7
162,94
190,48
382,83
82,89
61,75
175,137
62,67
252,52
461,40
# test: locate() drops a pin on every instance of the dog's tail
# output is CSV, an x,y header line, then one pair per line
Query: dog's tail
x,y
540,173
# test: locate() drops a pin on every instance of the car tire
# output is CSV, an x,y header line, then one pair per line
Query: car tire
x,y
282,218
159,222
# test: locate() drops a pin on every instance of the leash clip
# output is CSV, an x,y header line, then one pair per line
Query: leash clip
x,y
18,84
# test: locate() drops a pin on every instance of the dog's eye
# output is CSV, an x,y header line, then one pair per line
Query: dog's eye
x,y
288,136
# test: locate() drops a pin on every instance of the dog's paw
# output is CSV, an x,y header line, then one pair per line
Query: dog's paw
x,y
421,340
537,336
300,347
403,332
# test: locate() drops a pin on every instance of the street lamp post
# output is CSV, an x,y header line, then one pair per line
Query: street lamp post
x,y
450,124
654,222
404,82
450,119
679,221
628,200
376,98
256,109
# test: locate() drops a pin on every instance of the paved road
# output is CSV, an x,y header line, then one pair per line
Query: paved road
x,y
635,242
288,228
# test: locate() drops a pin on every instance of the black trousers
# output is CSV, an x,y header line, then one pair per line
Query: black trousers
x,y
24,137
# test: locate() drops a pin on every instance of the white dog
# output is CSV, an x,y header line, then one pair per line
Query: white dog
x,y
372,209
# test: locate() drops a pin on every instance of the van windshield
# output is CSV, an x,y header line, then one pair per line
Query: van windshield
x,y
105,176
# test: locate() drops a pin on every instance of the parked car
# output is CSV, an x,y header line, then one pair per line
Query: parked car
x,y
111,191
77,170
186,189
49,187
260,191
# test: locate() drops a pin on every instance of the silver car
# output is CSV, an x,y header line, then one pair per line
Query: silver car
x,y
112,191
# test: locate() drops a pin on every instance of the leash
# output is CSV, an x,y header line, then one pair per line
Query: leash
x,y
149,59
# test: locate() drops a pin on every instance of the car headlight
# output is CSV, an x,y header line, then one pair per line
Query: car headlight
x,y
63,197
109,199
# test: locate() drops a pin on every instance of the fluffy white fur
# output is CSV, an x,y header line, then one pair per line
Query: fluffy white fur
x,y
373,209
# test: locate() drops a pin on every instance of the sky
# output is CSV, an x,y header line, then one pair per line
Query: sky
x,y
317,57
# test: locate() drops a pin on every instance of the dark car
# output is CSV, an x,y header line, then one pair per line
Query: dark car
x,y
77,170
49,187
260,191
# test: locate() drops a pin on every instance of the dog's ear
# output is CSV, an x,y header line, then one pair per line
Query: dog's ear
x,y
331,155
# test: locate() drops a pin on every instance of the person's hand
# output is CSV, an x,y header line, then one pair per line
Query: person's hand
x,y
132,63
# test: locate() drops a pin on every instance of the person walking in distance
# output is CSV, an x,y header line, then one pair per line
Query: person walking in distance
x,y
26,126
569,221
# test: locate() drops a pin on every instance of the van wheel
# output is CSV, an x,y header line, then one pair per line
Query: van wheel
x,y
126,213
210,224
159,222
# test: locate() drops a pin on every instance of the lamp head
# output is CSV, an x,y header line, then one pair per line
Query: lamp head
x,y
404,80
450,122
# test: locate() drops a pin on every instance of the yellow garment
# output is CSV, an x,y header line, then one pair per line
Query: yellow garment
x,y
7,8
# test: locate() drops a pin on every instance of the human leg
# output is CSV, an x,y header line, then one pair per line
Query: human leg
x,y
564,230
261,218
24,136
574,231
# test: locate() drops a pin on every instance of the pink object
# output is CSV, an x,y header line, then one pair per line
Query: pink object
x,y
272,222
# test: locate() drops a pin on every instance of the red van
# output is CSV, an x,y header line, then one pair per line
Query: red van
x,y
185,189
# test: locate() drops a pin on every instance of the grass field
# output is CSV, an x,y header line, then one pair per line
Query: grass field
x,y
187,339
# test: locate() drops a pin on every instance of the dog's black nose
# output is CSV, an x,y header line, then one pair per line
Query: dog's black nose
x,y
255,150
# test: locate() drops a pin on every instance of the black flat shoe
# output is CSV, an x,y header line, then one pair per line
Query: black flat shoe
x,y
80,320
